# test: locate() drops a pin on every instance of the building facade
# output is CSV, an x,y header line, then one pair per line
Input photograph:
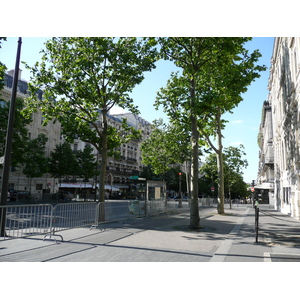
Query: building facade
x,y
17,180
283,128
119,170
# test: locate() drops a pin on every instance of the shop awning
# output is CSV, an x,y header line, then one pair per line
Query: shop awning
x,y
86,186
80,185
265,186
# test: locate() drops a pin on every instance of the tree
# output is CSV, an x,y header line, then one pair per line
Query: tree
x,y
62,161
233,169
234,164
2,66
35,164
235,74
20,132
184,96
83,78
165,147
215,72
86,163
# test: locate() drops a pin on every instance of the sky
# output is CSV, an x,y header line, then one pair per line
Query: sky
x,y
257,18
243,124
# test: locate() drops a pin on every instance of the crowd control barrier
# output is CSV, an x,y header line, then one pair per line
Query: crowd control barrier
x,y
71,215
24,220
32,219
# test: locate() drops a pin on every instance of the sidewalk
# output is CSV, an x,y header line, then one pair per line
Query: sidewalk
x,y
167,238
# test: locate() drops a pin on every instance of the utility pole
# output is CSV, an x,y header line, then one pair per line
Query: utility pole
x,y
8,145
180,191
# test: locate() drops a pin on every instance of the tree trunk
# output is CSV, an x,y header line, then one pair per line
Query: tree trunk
x,y
102,176
194,209
220,165
188,178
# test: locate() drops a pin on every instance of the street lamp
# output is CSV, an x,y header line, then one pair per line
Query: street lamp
x,y
180,192
8,145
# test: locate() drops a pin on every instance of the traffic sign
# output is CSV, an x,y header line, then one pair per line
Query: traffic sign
x,y
212,188
252,189
1,160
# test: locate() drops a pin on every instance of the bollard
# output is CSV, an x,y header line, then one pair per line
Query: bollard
x,y
256,223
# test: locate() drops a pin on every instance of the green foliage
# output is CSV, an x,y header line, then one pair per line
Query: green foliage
x,y
86,163
2,66
216,71
20,132
82,79
35,164
234,163
87,77
62,161
166,146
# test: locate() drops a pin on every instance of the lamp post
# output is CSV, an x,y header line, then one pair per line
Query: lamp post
x,y
180,192
8,145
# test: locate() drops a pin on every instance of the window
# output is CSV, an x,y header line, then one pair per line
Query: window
x,y
39,186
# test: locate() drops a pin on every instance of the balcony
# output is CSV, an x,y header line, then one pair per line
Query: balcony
x,y
269,160
265,186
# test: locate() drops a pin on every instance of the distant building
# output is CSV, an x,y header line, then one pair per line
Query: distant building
x,y
17,180
119,170
280,129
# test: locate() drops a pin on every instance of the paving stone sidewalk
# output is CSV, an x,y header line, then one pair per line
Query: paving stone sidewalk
x,y
166,238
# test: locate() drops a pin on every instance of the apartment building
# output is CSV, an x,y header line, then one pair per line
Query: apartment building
x,y
119,170
281,135
17,180
265,183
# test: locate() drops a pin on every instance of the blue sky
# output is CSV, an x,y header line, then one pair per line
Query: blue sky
x,y
243,124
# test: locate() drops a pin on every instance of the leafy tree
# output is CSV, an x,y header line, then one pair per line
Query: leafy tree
x,y
20,132
35,158
234,74
2,66
87,77
184,98
62,161
233,170
234,164
215,71
165,147
86,163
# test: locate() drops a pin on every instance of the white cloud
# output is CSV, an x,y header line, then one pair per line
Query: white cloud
x,y
237,122
236,143
116,110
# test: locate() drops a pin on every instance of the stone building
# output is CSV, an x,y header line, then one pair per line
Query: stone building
x,y
265,183
17,180
119,171
283,129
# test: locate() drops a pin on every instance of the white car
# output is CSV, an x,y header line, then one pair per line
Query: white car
x,y
8,196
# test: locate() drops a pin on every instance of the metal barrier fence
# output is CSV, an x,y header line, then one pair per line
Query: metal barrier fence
x,y
25,220
72,215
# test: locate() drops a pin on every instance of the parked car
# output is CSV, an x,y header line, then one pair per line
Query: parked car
x,y
8,196
13,195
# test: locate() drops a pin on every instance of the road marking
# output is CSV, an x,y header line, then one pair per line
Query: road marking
x,y
220,254
267,257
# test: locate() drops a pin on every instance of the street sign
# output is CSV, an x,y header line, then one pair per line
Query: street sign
x,y
134,177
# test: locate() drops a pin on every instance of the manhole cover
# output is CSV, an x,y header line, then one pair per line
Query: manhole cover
x,y
188,228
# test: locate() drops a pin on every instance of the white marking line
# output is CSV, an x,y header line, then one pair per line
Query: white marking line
x,y
267,257
220,254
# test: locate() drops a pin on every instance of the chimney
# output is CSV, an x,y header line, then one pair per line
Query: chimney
x,y
12,72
